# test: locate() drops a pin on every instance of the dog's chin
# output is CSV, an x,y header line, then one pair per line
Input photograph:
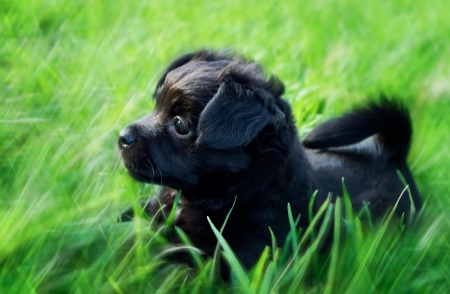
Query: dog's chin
x,y
140,177
145,176
152,178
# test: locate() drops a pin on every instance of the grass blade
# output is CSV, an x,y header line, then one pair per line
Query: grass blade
x,y
215,272
239,272
171,218
335,248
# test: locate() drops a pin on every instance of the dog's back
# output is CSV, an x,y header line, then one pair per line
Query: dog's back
x,y
366,147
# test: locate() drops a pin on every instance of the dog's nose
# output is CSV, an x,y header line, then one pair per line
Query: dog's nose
x,y
126,139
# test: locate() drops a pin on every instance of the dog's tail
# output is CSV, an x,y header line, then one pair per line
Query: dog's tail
x,y
389,120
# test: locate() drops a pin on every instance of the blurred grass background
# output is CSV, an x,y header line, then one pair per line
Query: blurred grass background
x,y
73,73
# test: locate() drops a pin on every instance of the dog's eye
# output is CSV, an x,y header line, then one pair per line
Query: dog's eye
x,y
180,126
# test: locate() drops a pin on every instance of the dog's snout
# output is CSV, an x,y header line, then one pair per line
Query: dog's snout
x,y
126,139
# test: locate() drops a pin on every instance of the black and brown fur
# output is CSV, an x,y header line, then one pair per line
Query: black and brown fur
x,y
221,130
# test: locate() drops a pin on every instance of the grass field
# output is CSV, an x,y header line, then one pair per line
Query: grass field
x,y
73,73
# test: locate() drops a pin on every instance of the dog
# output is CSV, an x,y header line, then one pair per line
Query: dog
x,y
221,133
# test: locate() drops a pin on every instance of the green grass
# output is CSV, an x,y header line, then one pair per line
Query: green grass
x,y
73,73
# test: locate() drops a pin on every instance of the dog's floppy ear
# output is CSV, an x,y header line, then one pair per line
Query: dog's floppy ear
x,y
237,113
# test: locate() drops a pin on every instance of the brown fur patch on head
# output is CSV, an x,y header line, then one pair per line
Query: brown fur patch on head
x,y
188,88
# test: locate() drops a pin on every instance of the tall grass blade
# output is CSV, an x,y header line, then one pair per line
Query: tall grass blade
x,y
316,219
170,219
275,252
293,229
362,270
335,249
239,272
215,272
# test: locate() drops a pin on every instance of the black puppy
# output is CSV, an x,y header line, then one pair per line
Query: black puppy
x,y
221,130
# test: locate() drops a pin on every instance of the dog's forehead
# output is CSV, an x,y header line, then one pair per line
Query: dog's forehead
x,y
195,74
191,85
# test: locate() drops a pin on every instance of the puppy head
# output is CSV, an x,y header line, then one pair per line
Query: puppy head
x,y
218,128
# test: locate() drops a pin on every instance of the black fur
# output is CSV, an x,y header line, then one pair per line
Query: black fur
x,y
242,141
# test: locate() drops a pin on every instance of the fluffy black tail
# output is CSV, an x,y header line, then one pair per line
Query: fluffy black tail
x,y
389,120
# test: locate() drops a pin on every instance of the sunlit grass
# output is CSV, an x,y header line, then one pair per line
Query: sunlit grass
x,y
73,73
